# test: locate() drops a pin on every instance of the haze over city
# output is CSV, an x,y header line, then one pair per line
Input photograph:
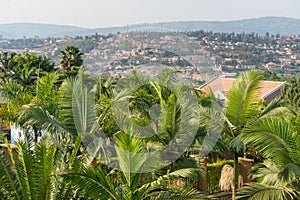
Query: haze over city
x,y
107,13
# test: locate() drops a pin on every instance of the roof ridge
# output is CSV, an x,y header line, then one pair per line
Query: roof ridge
x,y
211,80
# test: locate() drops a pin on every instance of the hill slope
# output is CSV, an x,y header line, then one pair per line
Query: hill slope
x,y
19,30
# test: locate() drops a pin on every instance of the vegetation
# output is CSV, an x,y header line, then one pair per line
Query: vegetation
x,y
34,173
277,139
89,137
214,173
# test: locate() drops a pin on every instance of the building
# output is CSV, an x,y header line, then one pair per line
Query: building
x,y
268,90
271,65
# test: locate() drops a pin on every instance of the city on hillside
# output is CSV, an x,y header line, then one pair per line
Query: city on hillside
x,y
198,55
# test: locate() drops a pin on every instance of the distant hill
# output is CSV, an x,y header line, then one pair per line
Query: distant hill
x,y
19,30
273,25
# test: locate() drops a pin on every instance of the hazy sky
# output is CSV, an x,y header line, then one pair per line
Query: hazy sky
x,y
103,13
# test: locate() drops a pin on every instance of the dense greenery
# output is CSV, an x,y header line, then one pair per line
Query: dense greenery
x,y
92,147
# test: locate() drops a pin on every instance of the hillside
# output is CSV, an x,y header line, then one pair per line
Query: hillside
x,y
19,30
273,25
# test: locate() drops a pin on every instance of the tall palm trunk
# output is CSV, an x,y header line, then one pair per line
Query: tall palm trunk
x,y
236,175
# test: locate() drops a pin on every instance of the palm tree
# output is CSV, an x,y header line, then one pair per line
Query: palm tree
x,y
64,116
24,68
15,96
243,107
33,173
126,183
239,110
237,113
51,110
7,64
278,140
159,108
78,118
71,59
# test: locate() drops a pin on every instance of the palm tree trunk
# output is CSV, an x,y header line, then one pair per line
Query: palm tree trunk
x,y
236,175
36,135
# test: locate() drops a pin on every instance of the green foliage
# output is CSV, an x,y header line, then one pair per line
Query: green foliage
x,y
33,172
25,68
71,60
99,183
260,191
214,173
241,97
278,141
69,109
290,93
270,76
15,96
47,93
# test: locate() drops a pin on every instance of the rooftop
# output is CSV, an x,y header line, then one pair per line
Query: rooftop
x,y
224,84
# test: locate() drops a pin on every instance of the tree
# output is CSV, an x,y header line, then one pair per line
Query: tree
x,y
61,119
71,59
46,97
78,118
15,96
290,93
6,67
19,98
242,108
278,140
25,68
33,173
22,75
239,109
97,183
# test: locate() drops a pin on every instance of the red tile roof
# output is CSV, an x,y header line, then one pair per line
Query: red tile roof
x,y
224,85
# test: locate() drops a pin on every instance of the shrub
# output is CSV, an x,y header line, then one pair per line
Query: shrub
x,y
214,173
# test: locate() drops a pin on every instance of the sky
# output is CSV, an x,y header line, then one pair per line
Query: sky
x,y
107,13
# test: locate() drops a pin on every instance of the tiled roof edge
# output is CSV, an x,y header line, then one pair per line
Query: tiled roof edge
x,y
272,91
202,86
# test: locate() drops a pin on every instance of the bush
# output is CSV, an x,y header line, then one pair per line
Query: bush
x,y
214,174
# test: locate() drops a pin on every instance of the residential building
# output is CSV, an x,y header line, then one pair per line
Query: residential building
x,y
268,90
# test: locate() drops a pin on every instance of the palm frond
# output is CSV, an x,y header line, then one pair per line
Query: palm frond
x,y
290,173
37,116
131,157
83,107
8,181
241,96
260,191
274,108
272,138
65,108
45,158
183,173
180,194
92,183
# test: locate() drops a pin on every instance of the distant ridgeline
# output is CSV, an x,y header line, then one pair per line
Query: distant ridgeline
x,y
273,25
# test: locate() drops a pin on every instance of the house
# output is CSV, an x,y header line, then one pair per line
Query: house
x,y
268,90
271,65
